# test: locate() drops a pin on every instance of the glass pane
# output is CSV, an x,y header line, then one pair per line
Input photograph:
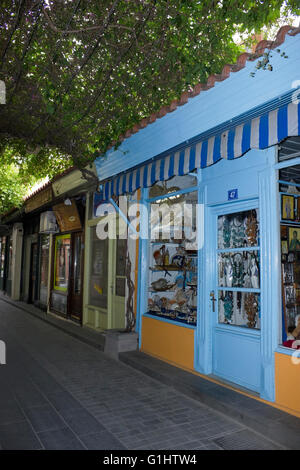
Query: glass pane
x,y
77,264
98,271
174,219
238,230
289,148
239,269
120,286
121,257
172,185
239,309
62,262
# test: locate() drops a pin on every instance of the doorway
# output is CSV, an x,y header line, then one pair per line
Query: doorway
x,y
66,295
235,294
107,281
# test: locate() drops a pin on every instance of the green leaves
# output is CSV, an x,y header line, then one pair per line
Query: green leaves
x,y
92,70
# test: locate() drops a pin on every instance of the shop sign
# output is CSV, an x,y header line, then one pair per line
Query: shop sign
x,y
67,217
38,200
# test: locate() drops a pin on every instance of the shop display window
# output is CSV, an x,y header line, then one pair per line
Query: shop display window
x,y
172,290
289,192
62,262
239,269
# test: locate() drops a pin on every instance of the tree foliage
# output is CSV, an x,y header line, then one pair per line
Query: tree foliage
x,y
79,73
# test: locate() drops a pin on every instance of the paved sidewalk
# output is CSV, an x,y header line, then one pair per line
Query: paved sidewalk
x,y
57,392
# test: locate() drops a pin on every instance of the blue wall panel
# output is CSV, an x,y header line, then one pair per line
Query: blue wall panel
x,y
236,357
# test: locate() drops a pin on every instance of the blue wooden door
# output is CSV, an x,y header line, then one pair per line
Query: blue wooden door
x,y
235,296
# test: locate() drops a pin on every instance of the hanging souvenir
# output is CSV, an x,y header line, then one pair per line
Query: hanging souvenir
x,y
251,308
238,231
228,272
251,228
226,232
228,307
254,273
238,270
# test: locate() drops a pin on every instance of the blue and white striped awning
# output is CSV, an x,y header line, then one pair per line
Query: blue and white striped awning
x,y
258,133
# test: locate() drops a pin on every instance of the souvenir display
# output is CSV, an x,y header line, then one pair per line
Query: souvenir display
x,y
290,263
239,269
179,286
238,230
235,308
251,308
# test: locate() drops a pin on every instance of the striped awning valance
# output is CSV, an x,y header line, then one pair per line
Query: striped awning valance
x,y
258,133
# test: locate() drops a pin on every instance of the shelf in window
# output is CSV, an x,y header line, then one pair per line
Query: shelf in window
x,y
238,250
239,289
179,319
169,268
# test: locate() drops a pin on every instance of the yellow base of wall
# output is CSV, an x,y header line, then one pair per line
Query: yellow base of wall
x,y
171,343
287,384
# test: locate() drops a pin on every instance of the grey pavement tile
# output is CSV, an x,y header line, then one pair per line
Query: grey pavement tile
x,y
61,439
11,413
102,441
63,401
18,436
44,418
82,422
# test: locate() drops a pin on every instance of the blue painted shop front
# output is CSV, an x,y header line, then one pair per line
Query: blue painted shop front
x,y
238,355
244,356
227,140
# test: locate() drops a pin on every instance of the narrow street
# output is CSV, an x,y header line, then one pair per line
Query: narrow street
x,y
59,393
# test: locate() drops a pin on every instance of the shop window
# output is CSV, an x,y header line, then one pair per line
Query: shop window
x,y
289,193
289,148
173,256
62,262
98,271
177,183
239,269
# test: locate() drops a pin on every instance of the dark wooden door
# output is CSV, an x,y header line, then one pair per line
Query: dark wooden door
x,y
76,277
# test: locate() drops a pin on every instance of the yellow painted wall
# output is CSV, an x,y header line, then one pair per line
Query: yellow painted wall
x,y
287,384
171,343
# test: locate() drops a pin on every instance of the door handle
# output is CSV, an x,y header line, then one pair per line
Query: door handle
x,y
213,299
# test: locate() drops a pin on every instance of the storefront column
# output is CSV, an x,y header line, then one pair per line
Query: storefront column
x,y
17,242
203,356
142,294
270,278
